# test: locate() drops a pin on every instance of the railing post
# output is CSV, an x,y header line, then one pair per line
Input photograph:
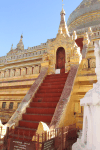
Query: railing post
x,y
62,138
6,138
1,132
37,148
45,134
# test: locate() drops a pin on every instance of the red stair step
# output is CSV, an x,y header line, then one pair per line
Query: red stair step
x,y
51,87
46,99
28,124
57,75
37,117
40,110
21,137
47,95
50,91
43,104
55,80
53,83
25,131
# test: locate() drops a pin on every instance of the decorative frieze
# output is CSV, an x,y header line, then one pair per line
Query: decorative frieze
x,y
20,71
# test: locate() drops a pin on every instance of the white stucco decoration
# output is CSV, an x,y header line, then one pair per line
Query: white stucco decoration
x,y
90,139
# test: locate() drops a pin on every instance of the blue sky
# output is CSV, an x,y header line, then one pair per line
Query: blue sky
x,y
38,20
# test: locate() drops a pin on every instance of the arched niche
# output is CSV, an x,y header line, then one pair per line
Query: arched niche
x,y
60,59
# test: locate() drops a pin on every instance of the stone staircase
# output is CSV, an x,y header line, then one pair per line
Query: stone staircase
x,y
43,105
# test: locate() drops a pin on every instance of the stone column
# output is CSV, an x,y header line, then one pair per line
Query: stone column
x,y
14,105
7,104
7,73
2,74
12,73
0,104
86,41
23,71
29,70
36,70
17,72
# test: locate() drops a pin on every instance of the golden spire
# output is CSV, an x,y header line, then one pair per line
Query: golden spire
x,y
62,4
63,27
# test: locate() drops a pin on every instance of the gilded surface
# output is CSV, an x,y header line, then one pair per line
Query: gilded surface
x,y
20,68
86,6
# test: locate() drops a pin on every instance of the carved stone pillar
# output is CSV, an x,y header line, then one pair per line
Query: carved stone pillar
x,y
0,104
14,105
17,72
29,70
23,71
12,73
2,74
36,70
7,73
92,63
7,105
86,41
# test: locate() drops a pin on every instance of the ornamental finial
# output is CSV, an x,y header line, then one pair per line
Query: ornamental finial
x,y
62,4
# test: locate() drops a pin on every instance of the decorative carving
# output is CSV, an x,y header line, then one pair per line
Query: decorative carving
x,y
84,64
90,33
2,74
45,57
86,39
20,45
74,36
17,72
7,73
92,63
12,73
23,71
36,70
60,31
29,70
